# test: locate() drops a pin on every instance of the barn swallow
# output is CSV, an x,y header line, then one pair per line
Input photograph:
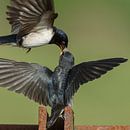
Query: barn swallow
x,y
32,25
53,88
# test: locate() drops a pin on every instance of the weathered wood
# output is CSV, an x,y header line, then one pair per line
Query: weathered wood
x,y
18,127
66,124
68,118
61,124
102,127
42,119
35,127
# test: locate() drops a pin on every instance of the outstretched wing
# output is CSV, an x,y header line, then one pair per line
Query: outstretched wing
x,y
27,15
30,79
88,71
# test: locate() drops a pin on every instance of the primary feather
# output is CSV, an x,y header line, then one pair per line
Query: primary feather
x,y
30,79
26,16
57,88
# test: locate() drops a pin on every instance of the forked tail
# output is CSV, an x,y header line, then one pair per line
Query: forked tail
x,y
55,113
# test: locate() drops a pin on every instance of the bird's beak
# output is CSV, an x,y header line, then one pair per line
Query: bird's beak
x,y
64,50
62,47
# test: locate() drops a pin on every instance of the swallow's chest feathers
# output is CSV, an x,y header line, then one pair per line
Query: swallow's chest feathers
x,y
59,83
38,38
60,79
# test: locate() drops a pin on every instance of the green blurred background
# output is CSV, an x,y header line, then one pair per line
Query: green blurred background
x,y
97,29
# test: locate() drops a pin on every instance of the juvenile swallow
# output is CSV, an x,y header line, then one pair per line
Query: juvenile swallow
x,y
32,25
53,88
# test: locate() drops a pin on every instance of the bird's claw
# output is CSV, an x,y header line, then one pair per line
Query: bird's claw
x,y
28,50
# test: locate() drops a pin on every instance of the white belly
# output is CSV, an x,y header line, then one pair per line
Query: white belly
x,y
39,38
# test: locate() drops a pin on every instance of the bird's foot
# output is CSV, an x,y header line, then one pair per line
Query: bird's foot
x,y
28,50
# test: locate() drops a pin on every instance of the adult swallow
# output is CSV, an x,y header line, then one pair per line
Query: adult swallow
x,y
54,88
32,24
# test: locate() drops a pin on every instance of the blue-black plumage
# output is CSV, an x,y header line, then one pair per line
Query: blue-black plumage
x,y
54,88
8,39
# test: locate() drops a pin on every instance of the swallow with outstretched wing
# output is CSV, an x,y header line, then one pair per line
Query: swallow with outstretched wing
x,y
54,88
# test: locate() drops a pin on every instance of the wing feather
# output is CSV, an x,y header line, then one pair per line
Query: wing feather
x,y
26,15
30,79
89,71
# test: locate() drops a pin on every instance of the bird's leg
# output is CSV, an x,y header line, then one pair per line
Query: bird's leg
x,y
28,50
68,118
42,118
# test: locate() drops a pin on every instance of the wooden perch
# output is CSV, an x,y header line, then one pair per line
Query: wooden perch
x,y
66,124
68,119
35,127
61,124
42,118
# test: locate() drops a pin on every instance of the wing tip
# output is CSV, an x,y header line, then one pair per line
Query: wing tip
x,y
122,60
117,60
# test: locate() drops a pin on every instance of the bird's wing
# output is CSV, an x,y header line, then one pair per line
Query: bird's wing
x,y
27,15
30,79
88,71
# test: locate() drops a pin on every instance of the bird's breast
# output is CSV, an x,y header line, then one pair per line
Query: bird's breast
x,y
60,77
38,38
59,81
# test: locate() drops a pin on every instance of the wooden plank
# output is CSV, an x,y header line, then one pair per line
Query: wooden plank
x,y
42,118
61,124
68,118
67,124
18,127
35,127
102,127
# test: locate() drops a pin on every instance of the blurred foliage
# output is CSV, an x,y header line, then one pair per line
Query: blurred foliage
x,y
97,29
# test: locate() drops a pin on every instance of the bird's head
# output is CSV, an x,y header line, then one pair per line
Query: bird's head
x,y
66,58
60,39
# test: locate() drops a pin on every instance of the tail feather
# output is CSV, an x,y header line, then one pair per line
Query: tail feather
x,y
55,113
8,39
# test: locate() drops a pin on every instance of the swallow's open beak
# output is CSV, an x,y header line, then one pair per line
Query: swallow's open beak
x,y
62,47
64,50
